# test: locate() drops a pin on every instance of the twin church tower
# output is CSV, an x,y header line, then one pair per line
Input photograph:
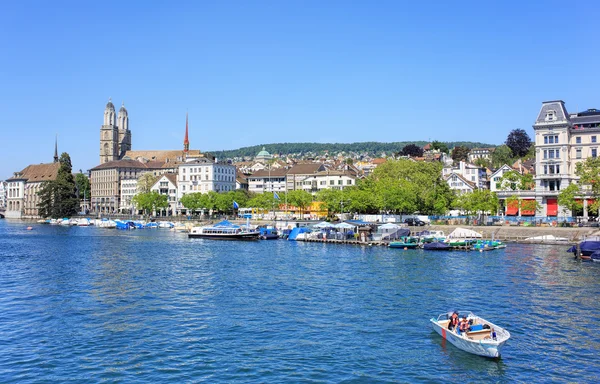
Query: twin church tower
x,y
115,136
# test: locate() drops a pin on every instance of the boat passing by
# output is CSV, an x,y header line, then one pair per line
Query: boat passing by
x,y
224,230
480,337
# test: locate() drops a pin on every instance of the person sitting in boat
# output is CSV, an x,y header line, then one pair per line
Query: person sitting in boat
x,y
464,325
453,323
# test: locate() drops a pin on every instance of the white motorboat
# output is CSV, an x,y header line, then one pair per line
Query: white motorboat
x,y
483,338
224,231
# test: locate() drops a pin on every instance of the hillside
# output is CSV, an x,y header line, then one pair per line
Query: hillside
x,y
371,148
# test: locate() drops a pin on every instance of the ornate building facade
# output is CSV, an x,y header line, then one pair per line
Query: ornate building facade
x,y
115,136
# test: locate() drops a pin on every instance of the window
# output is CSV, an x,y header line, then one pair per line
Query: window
x,y
578,140
545,153
340,182
550,139
331,182
349,182
551,154
594,152
578,153
556,139
545,169
545,139
593,139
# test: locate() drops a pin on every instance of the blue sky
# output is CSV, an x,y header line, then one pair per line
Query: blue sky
x,y
255,72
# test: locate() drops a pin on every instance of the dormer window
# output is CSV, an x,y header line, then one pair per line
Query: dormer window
x,y
550,115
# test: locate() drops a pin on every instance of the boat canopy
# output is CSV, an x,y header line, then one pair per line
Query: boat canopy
x,y
323,224
225,224
464,233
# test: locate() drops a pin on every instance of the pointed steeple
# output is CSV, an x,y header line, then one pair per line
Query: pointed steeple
x,y
56,149
186,141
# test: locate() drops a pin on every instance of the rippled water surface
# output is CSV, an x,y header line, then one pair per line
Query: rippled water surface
x,y
92,304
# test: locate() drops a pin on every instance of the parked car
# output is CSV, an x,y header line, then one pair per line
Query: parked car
x,y
413,221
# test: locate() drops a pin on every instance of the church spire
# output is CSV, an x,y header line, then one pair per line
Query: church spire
x,y
56,149
186,142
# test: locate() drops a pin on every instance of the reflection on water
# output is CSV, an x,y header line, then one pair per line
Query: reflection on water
x,y
156,306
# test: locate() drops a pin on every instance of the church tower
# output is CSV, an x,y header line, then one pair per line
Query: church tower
x,y
109,135
124,132
186,141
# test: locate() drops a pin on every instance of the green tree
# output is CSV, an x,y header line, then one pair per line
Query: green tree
x,y
150,201
192,201
589,180
145,182
58,197
438,145
480,201
420,182
82,183
514,181
331,198
502,155
264,201
571,198
300,198
484,163
460,153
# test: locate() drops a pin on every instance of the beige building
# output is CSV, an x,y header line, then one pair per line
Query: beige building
x,y
105,181
22,192
329,179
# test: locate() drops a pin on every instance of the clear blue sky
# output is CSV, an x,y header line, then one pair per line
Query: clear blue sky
x,y
255,72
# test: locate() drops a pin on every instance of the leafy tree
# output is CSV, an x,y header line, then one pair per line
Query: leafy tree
x,y
514,181
460,153
145,182
300,199
57,197
484,163
412,150
192,201
480,201
263,200
150,201
502,155
331,198
422,183
438,145
570,199
519,142
82,185
589,177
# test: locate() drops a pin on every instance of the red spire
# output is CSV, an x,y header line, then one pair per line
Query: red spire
x,y
186,142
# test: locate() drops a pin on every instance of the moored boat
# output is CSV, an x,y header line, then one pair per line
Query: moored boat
x,y
224,231
437,246
482,338
488,245
405,242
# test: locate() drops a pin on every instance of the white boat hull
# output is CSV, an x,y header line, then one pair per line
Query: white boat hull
x,y
487,347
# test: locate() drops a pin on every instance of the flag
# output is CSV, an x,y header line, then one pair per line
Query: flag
x,y
235,205
275,195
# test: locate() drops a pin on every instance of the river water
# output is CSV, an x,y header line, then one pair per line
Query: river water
x,y
90,304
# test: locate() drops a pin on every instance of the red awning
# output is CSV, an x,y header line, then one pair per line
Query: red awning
x,y
528,207
512,207
552,207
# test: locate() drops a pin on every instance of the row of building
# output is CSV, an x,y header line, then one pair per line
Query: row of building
x,y
561,141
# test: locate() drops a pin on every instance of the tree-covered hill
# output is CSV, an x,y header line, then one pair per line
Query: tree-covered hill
x,y
372,148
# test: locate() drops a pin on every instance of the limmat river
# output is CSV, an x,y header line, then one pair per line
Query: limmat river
x,y
87,304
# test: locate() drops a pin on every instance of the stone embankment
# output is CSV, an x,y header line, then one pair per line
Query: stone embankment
x,y
520,234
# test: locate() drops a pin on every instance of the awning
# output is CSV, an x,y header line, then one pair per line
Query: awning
x,y
551,207
512,207
528,207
